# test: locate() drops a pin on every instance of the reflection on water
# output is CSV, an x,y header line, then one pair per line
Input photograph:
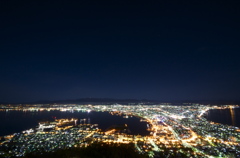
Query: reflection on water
x,y
225,116
232,112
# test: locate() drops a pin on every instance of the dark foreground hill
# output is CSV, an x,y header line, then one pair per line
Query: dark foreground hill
x,y
97,150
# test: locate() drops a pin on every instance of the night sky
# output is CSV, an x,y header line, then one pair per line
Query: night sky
x,y
151,49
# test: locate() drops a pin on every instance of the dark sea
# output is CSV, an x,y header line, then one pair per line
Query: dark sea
x,y
225,116
17,121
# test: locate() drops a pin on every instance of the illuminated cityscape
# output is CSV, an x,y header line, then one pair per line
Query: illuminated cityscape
x,y
175,131
138,79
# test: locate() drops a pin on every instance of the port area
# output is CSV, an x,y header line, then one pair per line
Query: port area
x,y
175,131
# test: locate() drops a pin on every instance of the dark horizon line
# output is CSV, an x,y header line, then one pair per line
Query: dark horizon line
x,y
129,100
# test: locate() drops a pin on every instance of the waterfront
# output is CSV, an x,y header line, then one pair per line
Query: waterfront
x,y
17,121
224,116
